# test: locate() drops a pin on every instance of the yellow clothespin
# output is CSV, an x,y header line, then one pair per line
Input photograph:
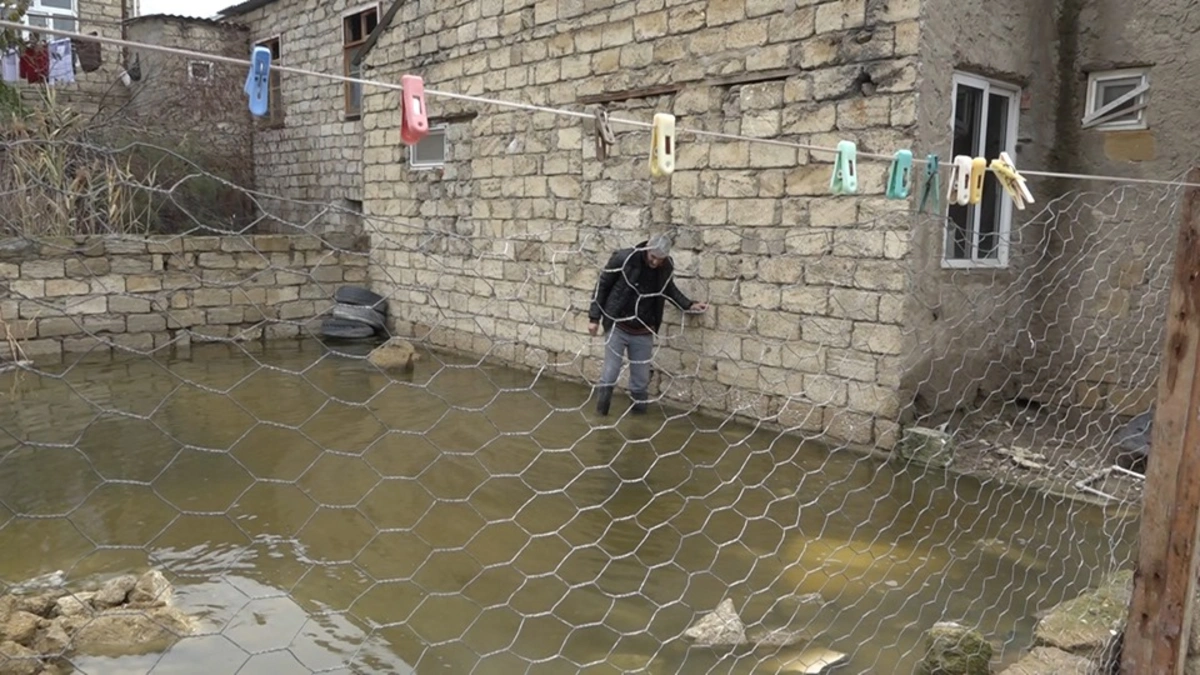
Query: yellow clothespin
x,y
662,145
845,170
978,171
960,181
1012,182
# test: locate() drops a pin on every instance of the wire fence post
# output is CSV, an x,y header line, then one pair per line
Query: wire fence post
x,y
1160,610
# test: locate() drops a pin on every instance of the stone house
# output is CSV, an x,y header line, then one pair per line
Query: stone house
x,y
93,89
833,315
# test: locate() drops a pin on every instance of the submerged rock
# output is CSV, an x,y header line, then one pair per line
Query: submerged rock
x,y
395,354
720,628
121,632
952,649
1084,625
723,627
126,615
1049,661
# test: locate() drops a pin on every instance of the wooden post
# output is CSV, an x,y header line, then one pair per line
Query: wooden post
x,y
1160,612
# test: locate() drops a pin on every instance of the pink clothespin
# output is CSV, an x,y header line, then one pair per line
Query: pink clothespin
x,y
414,122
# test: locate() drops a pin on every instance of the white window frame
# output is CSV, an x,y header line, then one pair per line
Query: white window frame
x,y
1098,117
192,74
37,10
1004,229
434,129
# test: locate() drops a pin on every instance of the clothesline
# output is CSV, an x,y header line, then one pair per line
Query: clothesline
x,y
217,58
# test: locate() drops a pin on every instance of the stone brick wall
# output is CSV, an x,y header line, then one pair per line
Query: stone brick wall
x,y
309,168
1075,318
191,121
75,295
498,251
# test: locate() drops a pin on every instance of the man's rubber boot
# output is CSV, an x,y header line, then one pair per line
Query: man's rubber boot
x,y
604,400
639,403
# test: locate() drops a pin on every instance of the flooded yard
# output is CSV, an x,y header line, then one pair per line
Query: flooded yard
x,y
317,514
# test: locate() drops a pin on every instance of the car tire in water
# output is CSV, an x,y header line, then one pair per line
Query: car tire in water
x,y
356,295
358,314
346,330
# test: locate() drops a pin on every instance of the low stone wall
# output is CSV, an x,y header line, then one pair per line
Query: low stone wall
x,y
68,295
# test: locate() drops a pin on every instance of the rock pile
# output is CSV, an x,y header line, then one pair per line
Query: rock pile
x,y
126,615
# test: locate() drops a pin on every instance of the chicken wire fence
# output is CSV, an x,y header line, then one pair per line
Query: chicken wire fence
x,y
208,461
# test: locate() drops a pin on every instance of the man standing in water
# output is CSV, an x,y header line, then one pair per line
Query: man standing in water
x,y
629,303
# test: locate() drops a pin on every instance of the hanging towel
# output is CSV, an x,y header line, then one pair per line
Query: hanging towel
x,y
10,66
62,62
35,64
90,58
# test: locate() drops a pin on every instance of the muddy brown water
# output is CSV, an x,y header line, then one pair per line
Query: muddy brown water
x,y
319,515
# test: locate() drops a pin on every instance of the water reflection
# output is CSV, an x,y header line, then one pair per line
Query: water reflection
x,y
472,519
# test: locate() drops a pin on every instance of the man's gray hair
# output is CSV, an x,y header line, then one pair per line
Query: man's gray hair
x,y
659,245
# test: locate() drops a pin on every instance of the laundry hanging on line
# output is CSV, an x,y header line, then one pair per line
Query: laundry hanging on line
x,y
62,62
10,66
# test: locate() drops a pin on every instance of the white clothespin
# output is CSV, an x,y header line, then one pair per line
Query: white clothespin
x,y
845,169
960,181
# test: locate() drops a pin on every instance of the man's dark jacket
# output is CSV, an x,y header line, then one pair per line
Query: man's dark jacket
x,y
617,300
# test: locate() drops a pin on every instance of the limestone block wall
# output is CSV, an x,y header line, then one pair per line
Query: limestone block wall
x,y
95,293
308,166
498,251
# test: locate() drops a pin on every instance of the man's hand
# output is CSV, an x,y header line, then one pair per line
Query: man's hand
x,y
593,328
698,307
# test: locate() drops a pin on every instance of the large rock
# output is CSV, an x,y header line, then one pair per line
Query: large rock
x,y
75,604
1049,661
395,354
124,632
115,592
152,590
18,660
1084,625
21,628
951,649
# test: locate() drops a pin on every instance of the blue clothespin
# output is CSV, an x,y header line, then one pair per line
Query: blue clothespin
x,y
899,175
933,185
845,170
256,82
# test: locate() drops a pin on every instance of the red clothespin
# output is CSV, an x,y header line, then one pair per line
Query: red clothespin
x,y
414,123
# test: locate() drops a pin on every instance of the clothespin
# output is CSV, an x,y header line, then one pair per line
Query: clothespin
x,y
605,138
414,120
900,175
257,87
960,181
933,184
978,171
662,145
845,170
1012,182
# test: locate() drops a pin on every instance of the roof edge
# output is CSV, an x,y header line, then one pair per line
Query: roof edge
x,y
243,7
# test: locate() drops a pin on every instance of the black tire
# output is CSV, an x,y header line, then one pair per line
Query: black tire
x,y
355,295
358,314
346,330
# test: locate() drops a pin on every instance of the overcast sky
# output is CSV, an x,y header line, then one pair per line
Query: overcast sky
x,y
204,8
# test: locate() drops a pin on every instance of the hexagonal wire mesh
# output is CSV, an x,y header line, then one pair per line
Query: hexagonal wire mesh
x,y
193,447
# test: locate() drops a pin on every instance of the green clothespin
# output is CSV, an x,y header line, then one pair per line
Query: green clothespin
x,y
933,185
845,170
899,175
